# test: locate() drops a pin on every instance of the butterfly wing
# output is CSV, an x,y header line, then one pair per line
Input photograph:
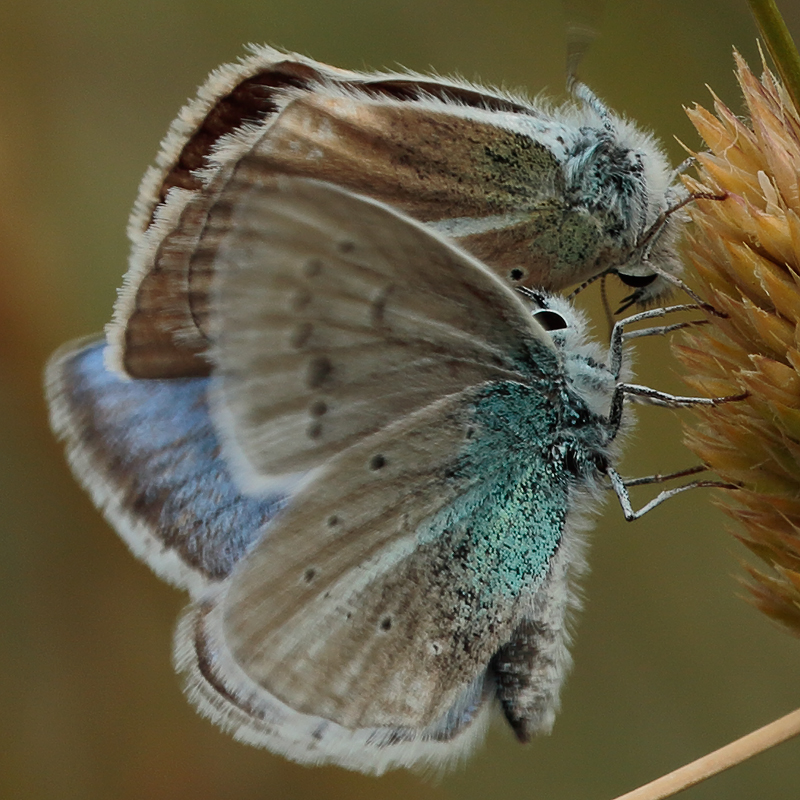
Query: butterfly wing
x,y
148,454
338,616
498,192
335,316
252,91
158,328
360,629
480,176
349,636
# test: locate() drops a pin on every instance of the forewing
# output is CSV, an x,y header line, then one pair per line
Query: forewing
x,y
251,92
147,453
434,162
336,316
158,328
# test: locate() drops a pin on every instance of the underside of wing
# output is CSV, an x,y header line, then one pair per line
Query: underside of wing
x,y
158,328
341,637
251,91
433,161
336,316
251,714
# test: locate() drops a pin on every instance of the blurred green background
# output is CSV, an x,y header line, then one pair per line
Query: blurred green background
x,y
670,662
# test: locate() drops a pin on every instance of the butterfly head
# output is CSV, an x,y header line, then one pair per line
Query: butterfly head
x,y
621,176
584,361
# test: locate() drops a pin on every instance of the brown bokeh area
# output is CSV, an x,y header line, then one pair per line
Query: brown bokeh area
x,y
670,662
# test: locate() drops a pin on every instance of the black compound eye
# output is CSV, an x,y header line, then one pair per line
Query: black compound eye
x,y
636,281
550,320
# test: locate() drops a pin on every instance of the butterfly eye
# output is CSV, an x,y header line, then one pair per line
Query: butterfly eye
x,y
550,320
636,281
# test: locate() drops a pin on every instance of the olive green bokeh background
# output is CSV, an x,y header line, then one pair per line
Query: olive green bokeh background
x,y
670,663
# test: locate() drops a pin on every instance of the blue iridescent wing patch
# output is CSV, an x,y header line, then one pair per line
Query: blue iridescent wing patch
x,y
148,453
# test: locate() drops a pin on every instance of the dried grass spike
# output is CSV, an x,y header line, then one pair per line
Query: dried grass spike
x,y
746,250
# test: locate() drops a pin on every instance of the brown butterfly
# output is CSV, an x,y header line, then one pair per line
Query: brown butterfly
x,y
545,196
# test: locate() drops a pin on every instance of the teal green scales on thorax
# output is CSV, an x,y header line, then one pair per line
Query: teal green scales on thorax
x,y
511,518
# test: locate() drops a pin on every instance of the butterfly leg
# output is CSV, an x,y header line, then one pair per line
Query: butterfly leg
x,y
620,488
653,397
657,398
618,335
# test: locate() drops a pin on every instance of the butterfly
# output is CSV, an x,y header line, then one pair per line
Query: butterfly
x,y
377,499
545,196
